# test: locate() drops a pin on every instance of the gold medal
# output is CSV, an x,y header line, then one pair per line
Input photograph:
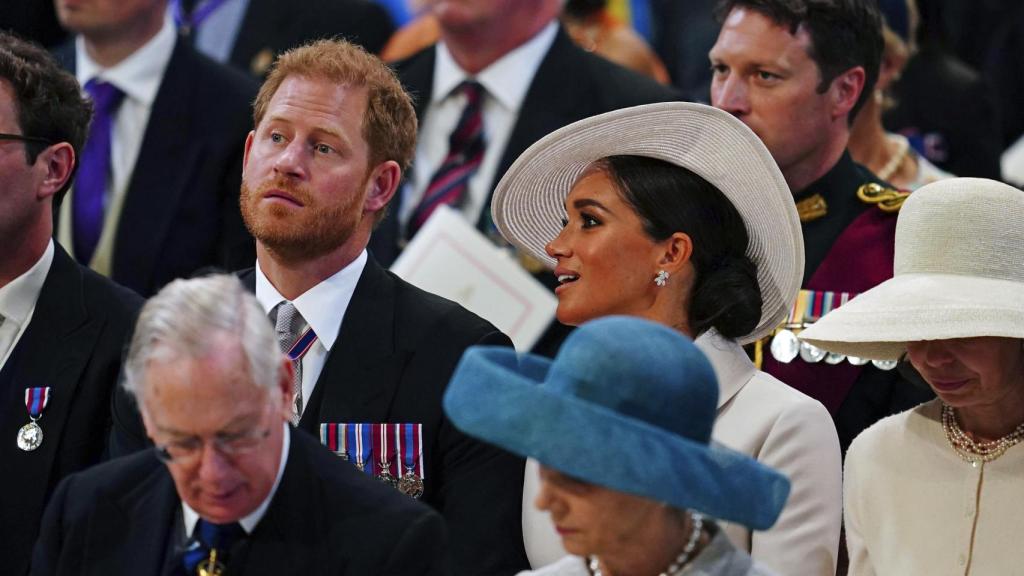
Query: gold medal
x,y
386,477
30,436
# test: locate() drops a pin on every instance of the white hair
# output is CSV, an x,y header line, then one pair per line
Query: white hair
x,y
187,317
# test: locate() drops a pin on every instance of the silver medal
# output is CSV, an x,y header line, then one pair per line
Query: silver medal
x,y
833,358
885,364
30,436
785,346
856,361
810,353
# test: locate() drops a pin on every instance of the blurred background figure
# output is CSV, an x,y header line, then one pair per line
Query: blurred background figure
x,y
937,488
62,326
942,104
682,35
655,225
889,156
156,196
621,424
249,34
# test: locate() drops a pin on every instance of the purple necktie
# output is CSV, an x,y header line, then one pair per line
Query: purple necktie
x,y
94,170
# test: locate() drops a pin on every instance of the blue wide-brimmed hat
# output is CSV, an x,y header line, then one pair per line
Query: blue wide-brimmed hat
x,y
627,404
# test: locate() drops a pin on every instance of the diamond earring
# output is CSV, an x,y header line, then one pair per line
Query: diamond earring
x,y
661,279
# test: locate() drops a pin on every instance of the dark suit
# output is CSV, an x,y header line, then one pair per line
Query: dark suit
x,y
395,352
73,344
270,27
325,518
181,211
571,84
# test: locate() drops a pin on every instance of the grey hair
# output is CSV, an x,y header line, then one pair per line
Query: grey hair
x,y
187,317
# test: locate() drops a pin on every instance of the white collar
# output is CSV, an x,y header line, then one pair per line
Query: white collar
x,y
323,306
249,522
18,298
731,364
506,80
139,75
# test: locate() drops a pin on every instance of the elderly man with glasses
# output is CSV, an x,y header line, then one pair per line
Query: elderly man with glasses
x,y
228,488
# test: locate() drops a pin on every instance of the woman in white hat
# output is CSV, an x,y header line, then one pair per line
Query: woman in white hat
x,y
621,422
939,489
676,212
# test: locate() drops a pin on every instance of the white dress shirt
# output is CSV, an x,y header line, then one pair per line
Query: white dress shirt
x,y
139,77
18,302
506,82
249,522
322,307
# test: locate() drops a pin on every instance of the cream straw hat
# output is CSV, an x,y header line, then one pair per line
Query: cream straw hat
x,y
528,203
959,272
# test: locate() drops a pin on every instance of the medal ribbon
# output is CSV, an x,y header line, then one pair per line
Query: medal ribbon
x,y
36,400
412,457
381,433
811,305
333,437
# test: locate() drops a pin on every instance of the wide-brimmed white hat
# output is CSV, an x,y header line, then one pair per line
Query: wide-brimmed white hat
x,y
959,272
530,199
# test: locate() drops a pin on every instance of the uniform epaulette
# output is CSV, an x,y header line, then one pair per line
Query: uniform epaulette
x,y
887,199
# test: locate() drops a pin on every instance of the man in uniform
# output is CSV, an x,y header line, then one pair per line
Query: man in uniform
x,y
797,73
334,129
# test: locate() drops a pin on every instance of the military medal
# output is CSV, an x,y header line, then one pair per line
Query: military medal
x,y
333,437
30,436
359,440
856,361
380,436
785,346
885,364
833,358
411,450
810,353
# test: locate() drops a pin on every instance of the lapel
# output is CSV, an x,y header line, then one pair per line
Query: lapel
x,y
283,538
139,520
53,351
167,159
731,364
365,366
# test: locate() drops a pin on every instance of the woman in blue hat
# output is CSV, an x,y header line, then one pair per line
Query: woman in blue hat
x,y
620,422
676,212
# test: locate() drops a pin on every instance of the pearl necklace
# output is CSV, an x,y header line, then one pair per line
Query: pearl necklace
x,y
902,147
975,452
676,566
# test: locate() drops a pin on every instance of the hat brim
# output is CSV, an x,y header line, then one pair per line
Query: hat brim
x,y
879,323
501,398
529,201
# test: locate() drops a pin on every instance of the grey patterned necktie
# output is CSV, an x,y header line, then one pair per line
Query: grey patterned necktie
x,y
289,325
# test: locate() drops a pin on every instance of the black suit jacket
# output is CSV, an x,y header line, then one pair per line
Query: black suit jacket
x,y
73,345
395,352
326,518
570,84
272,26
181,210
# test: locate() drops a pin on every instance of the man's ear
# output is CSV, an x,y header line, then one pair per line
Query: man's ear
x,y
56,162
676,252
845,90
248,147
285,377
382,185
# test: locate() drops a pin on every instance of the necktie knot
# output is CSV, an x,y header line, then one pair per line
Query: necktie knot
x,y
287,324
207,552
105,96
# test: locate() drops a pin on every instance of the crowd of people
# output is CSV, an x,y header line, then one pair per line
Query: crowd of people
x,y
788,339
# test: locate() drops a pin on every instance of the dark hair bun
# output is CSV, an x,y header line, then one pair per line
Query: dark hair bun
x,y
728,299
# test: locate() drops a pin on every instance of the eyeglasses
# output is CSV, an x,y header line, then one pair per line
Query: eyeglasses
x,y
187,451
23,138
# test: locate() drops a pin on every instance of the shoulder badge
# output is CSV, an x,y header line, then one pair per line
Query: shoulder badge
x,y
887,199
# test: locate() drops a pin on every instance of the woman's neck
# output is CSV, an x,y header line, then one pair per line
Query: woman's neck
x,y
993,421
652,553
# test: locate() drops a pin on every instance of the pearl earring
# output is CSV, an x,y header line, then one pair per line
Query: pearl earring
x,y
661,279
